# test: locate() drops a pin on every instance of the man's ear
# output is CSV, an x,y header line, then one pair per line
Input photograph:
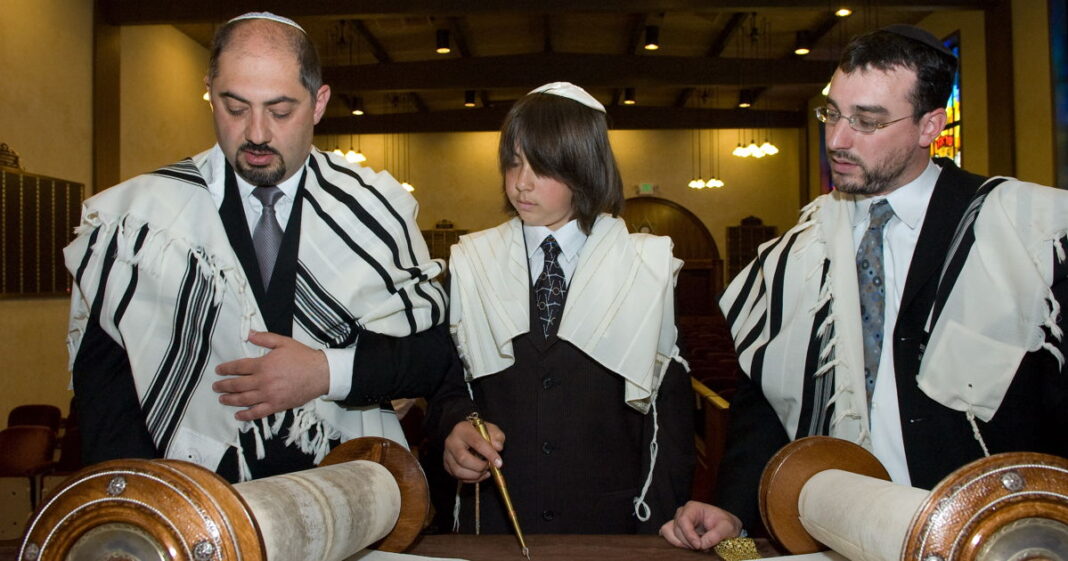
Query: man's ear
x,y
207,89
931,125
321,99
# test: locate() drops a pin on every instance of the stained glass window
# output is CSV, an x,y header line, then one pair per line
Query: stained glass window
x,y
948,144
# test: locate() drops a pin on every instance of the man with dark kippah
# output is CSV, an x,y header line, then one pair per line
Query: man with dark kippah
x,y
915,310
250,307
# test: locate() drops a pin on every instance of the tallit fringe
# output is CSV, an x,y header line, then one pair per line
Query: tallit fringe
x,y
641,508
244,473
304,421
975,432
1050,321
456,508
150,259
826,368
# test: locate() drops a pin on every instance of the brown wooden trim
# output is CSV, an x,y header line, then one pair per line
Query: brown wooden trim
x,y
592,70
107,91
619,118
1000,98
134,12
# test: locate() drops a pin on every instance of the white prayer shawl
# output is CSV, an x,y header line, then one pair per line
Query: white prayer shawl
x,y
777,297
186,304
620,303
1002,294
1000,302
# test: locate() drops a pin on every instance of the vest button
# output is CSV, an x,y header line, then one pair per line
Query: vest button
x,y
547,447
547,382
548,515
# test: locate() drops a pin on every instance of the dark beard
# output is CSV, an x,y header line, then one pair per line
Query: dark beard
x,y
260,176
873,181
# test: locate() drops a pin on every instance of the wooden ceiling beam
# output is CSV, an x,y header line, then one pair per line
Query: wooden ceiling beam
x,y
377,50
139,12
621,118
590,70
547,34
718,46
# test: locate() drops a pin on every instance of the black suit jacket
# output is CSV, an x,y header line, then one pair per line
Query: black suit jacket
x,y
575,454
938,440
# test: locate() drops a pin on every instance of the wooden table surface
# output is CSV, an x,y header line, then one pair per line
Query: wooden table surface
x,y
543,547
570,547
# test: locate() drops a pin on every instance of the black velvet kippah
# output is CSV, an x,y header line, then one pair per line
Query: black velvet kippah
x,y
917,34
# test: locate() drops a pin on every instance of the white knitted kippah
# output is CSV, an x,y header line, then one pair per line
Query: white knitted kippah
x,y
270,16
570,91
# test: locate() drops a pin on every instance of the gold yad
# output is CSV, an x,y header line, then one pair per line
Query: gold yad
x,y
498,478
737,549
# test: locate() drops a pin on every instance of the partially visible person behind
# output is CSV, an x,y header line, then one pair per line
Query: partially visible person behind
x,y
915,310
250,307
565,323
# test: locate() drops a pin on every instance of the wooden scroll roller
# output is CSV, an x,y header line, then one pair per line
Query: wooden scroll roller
x,y
821,492
366,490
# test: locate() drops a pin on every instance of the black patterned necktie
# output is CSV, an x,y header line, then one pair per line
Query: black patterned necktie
x,y
870,278
267,237
550,290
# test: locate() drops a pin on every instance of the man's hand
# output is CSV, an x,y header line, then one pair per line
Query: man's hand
x,y
467,454
290,375
700,526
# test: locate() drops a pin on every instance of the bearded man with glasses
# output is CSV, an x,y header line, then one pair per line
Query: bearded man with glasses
x,y
915,310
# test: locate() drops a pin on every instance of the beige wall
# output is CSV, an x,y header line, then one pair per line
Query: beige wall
x,y
45,100
1032,87
46,116
163,117
456,177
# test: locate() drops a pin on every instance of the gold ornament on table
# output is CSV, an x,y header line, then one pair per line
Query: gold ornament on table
x,y
736,549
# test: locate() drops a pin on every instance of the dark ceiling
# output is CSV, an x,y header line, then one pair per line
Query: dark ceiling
x,y
382,53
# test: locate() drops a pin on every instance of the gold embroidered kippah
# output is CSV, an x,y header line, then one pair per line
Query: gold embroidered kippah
x,y
736,549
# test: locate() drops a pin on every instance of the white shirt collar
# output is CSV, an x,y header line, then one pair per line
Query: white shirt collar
x,y
908,201
569,236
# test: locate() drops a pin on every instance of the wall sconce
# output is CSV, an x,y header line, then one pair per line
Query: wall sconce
x,y
628,96
469,98
652,37
443,42
803,46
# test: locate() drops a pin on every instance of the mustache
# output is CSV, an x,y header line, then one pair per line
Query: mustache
x,y
843,155
251,147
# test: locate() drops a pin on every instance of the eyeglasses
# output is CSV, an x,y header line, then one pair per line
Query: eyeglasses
x,y
831,116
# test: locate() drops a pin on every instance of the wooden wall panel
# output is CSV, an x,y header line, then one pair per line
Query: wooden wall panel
x,y
39,214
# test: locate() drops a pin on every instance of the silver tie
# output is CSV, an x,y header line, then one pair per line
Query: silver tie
x,y
267,237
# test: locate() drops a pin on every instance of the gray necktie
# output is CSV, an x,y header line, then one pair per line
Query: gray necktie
x,y
267,237
872,291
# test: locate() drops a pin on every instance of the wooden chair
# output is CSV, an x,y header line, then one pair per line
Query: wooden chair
x,y
711,439
26,451
35,414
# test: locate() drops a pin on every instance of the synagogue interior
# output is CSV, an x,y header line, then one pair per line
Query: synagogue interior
x,y
710,106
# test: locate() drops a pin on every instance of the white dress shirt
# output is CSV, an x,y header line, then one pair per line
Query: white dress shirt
x,y
340,361
569,236
900,235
